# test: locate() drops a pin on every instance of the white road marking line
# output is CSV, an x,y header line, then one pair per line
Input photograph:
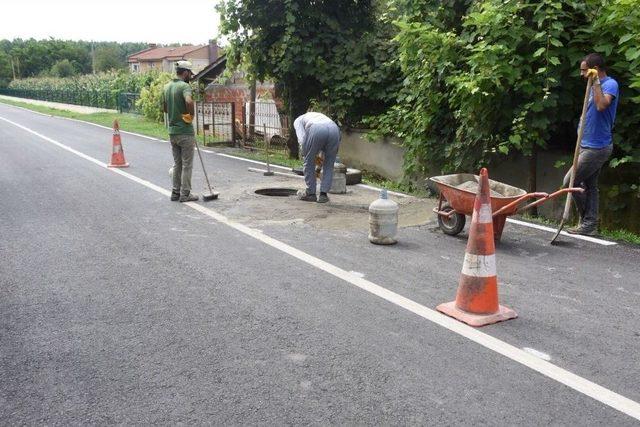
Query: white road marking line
x,y
111,129
513,221
580,384
248,160
357,274
536,353
564,233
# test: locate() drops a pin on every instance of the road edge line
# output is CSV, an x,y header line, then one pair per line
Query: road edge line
x,y
564,233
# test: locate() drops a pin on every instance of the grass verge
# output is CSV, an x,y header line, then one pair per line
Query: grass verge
x,y
128,122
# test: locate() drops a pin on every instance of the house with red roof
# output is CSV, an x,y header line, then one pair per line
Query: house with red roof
x,y
164,58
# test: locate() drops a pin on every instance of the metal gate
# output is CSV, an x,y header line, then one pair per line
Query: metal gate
x,y
216,121
262,125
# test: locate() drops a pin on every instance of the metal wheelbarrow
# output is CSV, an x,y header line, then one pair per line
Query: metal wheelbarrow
x,y
458,194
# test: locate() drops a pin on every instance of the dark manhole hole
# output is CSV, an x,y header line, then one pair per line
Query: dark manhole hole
x,y
278,192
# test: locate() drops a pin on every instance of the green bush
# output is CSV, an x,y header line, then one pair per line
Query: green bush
x,y
484,79
63,68
150,102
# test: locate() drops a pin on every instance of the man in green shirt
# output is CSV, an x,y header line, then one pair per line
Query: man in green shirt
x,y
178,104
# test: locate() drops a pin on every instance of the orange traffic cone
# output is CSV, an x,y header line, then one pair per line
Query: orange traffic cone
x,y
476,301
117,155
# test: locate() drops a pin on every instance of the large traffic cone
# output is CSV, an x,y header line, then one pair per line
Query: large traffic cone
x,y
117,154
476,301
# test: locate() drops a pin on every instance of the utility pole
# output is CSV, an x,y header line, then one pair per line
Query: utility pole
x,y
93,58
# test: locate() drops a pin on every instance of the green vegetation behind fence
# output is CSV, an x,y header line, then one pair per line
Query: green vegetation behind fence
x,y
112,90
89,98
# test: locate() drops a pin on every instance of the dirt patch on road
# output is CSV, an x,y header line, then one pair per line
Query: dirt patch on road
x,y
347,211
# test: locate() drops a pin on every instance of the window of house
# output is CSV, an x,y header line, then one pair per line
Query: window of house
x,y
135,67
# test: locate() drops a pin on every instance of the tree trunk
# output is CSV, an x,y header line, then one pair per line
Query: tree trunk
x,y
252,111
298,103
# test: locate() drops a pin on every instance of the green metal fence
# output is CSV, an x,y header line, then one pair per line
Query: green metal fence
x,y
127,102
88,98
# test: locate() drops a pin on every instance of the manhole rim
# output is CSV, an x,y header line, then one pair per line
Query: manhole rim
x,y
276,192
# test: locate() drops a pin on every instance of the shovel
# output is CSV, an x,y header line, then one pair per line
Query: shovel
x,y
567,205
211,195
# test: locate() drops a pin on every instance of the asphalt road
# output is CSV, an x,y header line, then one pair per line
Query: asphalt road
x,y
118,306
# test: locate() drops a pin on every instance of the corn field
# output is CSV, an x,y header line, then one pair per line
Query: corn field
x,y
93,90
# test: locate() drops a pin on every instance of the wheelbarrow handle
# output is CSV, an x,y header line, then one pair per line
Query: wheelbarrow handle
x,y
444,213
552,196
519,200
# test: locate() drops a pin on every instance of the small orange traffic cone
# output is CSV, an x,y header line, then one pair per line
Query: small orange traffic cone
x,y
117,154
476,301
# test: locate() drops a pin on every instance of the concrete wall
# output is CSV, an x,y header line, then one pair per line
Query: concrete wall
x,y
383,157
549,179
386,158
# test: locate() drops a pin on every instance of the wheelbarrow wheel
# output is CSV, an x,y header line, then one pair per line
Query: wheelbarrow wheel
x,y
453,224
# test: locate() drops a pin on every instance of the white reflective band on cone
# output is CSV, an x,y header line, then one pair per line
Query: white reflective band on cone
x,y
484,215
479,265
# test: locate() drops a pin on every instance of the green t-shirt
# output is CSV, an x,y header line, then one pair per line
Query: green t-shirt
x,y
174,95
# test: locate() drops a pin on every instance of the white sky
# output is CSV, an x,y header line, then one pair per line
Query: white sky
x,y
152,21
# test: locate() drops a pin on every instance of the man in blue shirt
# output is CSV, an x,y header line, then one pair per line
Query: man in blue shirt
x,y
596,145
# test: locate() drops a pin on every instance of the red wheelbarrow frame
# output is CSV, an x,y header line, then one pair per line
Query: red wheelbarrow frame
x,y
462,201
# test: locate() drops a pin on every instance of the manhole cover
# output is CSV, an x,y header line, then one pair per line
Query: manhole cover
x,y
277,192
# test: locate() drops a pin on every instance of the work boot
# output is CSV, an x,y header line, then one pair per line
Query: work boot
x,y
305,196
582,230
323,198
188,198
175,196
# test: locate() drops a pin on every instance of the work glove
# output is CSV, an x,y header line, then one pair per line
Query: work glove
x,y
187,118
593,74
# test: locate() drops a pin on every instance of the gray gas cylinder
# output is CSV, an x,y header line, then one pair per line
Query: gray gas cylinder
x,y
383,220
339,183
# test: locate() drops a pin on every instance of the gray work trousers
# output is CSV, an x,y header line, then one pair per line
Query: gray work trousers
x,y
182,147
323,137
590,161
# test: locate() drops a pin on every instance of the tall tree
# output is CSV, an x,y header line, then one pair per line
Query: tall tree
x,y
293,42
63,68
108,58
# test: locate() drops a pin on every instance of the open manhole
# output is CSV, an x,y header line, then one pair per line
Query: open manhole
x,y
277,192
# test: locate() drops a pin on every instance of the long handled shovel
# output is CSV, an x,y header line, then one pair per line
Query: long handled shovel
x,y
567,205
212,195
